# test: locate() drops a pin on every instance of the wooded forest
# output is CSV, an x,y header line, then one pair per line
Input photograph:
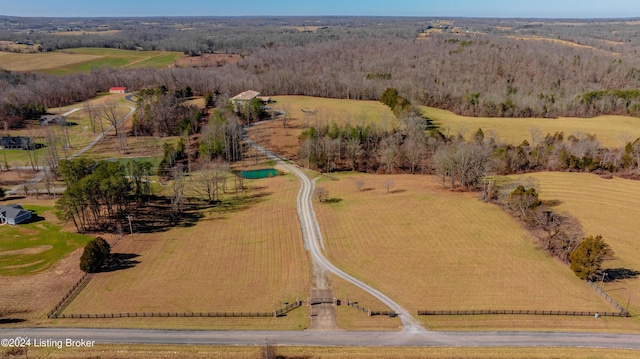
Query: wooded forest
x,y
481,67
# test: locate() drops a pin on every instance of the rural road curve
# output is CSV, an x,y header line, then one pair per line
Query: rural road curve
x,y
309,338
313,242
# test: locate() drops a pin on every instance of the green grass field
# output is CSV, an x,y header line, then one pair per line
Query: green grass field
x,y
35,246
611,131
68,61
431,249
608,207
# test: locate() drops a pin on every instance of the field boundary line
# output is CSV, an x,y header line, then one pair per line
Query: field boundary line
x,y
166,314
523,312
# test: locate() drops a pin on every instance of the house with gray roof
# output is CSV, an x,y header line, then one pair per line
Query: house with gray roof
x,y
47,120
13,214
16,143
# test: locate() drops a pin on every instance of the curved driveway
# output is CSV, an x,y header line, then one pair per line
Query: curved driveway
x,y
313,242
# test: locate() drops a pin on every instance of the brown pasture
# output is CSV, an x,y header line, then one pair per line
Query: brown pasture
x,y
249,258
431,249
138,351
607,207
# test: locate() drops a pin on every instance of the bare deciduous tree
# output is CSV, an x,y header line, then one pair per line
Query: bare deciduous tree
x,y
109,112
388,184
322,194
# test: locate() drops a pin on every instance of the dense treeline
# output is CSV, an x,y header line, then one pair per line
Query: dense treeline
x,y
415,146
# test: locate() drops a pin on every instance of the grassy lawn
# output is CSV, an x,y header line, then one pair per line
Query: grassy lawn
x,y
431,249
609,207
35,246
249,257
611,131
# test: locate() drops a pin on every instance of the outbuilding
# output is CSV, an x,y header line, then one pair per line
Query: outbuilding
x,y
13,214
47,120
118,90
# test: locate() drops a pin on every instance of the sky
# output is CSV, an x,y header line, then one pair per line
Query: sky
x,y
421,8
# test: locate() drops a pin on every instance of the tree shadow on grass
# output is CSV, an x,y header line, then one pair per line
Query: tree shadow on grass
x,y
119,261
157,215
614,274
11,320
333,200
552,202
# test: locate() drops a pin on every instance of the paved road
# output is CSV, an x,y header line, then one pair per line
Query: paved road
x,y
313,242
311,338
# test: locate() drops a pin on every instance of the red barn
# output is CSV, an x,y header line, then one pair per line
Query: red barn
x,y
118,90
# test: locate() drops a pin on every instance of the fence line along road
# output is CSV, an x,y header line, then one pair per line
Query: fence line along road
x,y
311,235
522,312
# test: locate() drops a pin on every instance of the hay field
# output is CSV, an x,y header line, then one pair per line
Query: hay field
x,y
42,61
431,249
116,58
70,61
250,259
611,131
329,110
609,207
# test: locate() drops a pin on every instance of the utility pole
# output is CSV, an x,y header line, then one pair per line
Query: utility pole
x,y
130,227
